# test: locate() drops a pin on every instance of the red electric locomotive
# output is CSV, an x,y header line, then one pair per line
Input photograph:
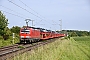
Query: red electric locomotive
x,y
29,34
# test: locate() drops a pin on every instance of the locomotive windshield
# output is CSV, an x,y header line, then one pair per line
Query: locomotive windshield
x,y
25,31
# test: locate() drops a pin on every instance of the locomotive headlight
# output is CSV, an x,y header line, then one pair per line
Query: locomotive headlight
x,y
27,36
21,36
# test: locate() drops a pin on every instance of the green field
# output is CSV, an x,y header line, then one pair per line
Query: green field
x,y
77,48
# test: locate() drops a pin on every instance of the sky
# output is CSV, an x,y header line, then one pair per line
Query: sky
x,y
74,14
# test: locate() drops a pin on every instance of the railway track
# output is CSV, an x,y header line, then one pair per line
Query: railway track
x,y
8,47
11,51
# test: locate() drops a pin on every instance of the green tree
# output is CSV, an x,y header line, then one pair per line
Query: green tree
x,y
89,33
15,29
73,34
7,31
3,23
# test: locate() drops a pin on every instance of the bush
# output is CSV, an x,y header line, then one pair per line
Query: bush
x,y
65,37
1,37
5,37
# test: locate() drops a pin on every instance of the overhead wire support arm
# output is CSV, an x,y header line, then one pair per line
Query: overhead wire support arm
x,y
27,21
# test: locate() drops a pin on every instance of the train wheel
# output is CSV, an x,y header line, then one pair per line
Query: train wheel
x,y
20,41
38,39
30,41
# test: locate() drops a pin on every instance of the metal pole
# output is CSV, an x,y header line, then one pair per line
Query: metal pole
x,y
13,37
32,22
60,25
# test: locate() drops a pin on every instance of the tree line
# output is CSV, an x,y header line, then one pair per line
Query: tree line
x,y
74,33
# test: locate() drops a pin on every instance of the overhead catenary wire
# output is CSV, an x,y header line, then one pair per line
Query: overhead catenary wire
x,y
30,8
27,10
13,14
24,9
33,10
13,11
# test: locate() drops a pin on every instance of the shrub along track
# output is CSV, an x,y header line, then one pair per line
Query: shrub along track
x,y
11,51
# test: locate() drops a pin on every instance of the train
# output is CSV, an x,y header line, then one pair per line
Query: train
x,y
33,34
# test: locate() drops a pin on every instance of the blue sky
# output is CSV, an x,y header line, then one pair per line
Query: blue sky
x,y
75,14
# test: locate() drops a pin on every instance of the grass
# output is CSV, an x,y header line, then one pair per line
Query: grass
x,y
8,42
85,43
74,49
21,47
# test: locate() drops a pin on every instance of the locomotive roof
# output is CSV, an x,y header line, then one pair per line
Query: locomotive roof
x,y
41,29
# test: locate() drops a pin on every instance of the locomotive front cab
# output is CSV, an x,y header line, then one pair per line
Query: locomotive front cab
x,y
24,35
